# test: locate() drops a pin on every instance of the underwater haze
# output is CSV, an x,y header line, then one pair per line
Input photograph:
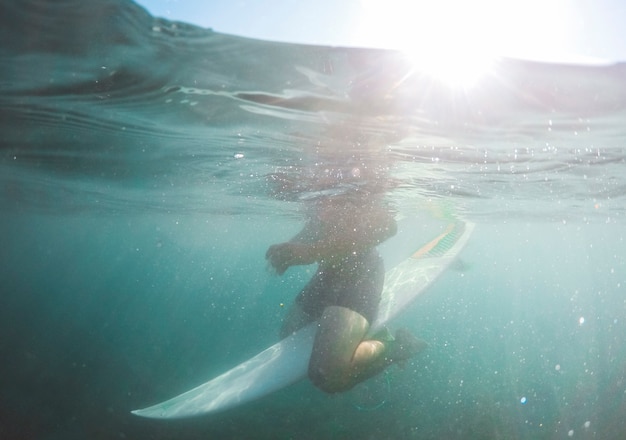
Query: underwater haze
x,y
147,165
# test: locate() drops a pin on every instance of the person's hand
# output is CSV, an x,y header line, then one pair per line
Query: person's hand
x,y
284,255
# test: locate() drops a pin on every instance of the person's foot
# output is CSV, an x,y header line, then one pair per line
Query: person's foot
x,y
404,346
383,335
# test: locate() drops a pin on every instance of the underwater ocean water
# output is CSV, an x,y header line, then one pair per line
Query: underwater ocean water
x,y
147,165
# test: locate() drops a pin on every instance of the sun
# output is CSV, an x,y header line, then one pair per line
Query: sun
x,y
442,38
457,41
458,67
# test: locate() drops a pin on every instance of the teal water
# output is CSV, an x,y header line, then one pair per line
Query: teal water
x,y
146,166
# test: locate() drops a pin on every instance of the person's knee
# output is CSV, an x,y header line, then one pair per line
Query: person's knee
x,y
340,332
329,381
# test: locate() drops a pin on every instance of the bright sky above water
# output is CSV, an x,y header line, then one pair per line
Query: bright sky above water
x,y
455,40
547,30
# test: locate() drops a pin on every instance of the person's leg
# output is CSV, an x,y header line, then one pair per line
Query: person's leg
x,y
296,319
309,305
341,357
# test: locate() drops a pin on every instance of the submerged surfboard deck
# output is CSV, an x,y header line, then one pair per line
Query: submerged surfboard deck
x,y
287,361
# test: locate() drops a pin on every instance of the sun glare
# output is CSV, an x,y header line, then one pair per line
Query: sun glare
x,y
457,67
456,41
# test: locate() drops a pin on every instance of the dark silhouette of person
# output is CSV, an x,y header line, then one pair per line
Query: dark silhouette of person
x,y
341,235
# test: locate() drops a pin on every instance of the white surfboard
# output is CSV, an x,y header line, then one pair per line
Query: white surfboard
x,y
287,361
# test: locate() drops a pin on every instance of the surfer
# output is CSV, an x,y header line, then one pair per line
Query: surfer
x,y
341,235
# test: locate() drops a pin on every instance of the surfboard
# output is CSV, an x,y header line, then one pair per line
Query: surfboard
x,y
286,362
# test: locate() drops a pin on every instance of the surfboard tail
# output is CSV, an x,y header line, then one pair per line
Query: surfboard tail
x,y
444,242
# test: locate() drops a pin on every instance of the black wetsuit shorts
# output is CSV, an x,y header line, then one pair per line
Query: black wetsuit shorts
x,y
354,282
